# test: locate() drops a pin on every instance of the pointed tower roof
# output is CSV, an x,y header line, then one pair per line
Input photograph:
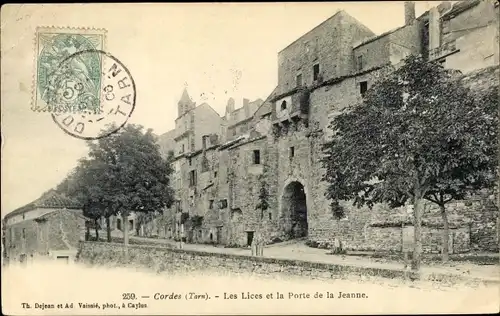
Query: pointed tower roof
x,y
185,98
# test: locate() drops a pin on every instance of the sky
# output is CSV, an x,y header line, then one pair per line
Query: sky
x,y
217,51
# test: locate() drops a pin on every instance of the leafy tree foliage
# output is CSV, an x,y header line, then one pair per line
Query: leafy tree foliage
x,y
123,173
418,134
263,197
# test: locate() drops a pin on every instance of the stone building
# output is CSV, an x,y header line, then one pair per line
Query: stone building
x,y
50,227
192,123
463,36
261,181
236,122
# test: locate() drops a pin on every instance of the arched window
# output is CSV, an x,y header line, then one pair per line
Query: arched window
x,y
283,105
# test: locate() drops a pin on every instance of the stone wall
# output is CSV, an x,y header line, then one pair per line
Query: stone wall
x,y
474,34
238,180
246,181
473,227
57,231
163,259
330,41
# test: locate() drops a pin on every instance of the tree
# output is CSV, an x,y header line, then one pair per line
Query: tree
x,y
338,212
263,197
124,173
87,185
418,134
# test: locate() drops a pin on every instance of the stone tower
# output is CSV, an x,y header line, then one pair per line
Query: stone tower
x,y
185,104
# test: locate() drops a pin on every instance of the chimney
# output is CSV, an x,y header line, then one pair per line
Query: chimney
x,y
409,12
246,107
230,106
434,28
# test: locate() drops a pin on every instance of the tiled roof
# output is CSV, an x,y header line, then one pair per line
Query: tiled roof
x,y
73,212
232,142
460,7
51,199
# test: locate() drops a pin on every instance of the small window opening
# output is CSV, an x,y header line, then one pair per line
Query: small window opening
x,y
363,87
299,80
256,157
316,72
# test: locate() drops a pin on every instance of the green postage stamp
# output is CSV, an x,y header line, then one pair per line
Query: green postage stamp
x,y
65,81
88,91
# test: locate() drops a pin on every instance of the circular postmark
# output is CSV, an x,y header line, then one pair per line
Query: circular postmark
x,y
93,94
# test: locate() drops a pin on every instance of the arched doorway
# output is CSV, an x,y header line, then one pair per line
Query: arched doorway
x,y
294,210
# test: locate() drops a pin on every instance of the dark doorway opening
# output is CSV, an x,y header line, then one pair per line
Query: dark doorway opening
x,y
294,210
249,238
219,234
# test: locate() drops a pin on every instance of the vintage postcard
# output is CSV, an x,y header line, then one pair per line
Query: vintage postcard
x,y
250,158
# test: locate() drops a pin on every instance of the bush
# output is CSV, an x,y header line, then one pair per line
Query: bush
x,y
312,244
338,251
276,240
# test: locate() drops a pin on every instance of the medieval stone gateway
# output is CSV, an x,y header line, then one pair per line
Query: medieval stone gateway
x,y
294,211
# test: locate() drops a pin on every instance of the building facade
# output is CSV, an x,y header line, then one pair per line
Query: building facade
x,y
49,228
257,176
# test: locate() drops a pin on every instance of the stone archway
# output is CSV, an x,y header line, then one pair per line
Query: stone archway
x,y
294,210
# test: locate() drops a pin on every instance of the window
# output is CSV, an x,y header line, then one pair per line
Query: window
x,y
215,174
283,105
24,233
234,131
256,157
299,80
192,178
190,161
205,166
316,72
182,148
360,62
292,152
211,204
192,146
363,86
270,216
223,204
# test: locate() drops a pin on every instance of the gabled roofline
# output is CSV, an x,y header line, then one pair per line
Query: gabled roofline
x,y
376,37
339,12
268,99
311,30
